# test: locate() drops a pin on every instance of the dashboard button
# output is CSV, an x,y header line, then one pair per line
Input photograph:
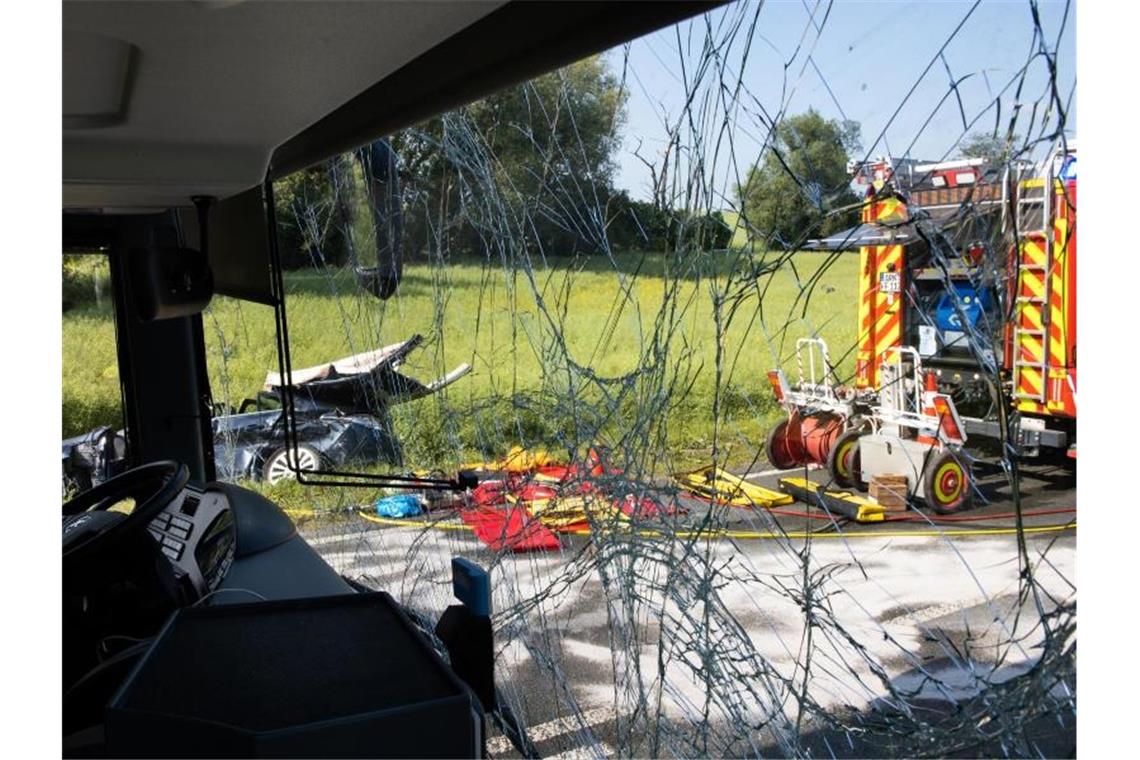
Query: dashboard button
x,y
190,505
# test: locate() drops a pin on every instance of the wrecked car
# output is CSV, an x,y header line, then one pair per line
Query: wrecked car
x,y
253,445
92,457
341,418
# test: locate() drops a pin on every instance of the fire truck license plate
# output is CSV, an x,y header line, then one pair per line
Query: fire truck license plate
x,y
888,282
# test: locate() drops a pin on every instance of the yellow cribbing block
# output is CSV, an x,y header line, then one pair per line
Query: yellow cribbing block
x,y
853,506
714,483
569,510
517,459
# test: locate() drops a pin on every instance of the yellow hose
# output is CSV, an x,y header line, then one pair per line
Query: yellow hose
x,y
414,523
749,535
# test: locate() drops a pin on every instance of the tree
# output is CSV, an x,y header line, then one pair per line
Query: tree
x,y
797,190
640,226
546,147
308,233
994,148
851,136
550,143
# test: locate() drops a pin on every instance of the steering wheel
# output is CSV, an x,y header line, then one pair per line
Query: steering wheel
x,y
90,529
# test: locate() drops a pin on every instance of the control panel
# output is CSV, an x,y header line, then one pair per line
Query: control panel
x,y
196,533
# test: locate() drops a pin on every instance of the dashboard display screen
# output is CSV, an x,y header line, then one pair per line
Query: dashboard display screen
x,y
216,548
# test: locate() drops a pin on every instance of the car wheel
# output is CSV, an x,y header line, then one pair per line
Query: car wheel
x,y
279,465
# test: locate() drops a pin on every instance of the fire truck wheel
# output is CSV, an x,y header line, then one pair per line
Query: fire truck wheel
x,y
844,464
779,449
947,483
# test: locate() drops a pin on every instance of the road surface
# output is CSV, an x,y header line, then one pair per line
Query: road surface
x,y
932,609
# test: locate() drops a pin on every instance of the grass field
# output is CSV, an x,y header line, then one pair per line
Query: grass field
x,y
518,333
739,238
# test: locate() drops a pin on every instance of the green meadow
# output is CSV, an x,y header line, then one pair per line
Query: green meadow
x,y
538,340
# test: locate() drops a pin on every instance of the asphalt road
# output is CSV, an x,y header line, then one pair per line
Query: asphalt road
x,y
932,613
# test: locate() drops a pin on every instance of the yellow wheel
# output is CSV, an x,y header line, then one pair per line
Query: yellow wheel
x,y
843,462
947,483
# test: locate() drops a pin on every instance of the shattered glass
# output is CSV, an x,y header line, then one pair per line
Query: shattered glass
x,y
596,350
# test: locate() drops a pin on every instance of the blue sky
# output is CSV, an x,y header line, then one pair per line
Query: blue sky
x,y
869,54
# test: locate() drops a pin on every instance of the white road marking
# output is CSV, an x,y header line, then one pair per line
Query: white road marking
x,y
601,748
497,745
349,558
934,611
557,727
323,540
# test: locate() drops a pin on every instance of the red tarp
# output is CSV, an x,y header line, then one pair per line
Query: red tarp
x,y
510,528
502,525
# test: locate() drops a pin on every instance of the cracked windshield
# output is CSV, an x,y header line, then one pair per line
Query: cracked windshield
x,y
748,349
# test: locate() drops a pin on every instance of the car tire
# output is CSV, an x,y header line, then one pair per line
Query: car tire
x,y
277,465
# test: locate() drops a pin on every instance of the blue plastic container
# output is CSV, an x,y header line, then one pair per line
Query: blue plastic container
x,y
403,505
973,304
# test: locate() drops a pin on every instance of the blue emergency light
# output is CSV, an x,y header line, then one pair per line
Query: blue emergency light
x,y
1069,168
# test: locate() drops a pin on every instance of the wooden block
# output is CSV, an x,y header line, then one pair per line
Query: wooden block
x,y
890,491
899,486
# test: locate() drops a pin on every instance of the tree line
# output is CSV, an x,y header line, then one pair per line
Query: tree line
x,y
546,148
537,162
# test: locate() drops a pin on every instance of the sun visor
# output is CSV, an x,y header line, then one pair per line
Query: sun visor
x,y
238,247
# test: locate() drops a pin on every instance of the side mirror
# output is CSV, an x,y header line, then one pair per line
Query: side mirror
x,y
385,202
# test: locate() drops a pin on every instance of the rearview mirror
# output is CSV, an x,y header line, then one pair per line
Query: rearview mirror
x,y
169,282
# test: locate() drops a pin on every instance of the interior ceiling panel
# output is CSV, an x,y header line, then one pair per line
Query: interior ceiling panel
x,y
209,89
95,92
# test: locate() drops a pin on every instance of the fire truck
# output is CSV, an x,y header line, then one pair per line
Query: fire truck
x,y
967,322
